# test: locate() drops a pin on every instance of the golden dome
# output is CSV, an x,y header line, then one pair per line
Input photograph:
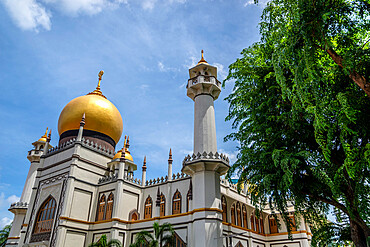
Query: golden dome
x,y
119,155
44,137
100,115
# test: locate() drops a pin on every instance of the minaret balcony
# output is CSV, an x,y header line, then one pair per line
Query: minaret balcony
x,y
205,161
34,155
203,84
18,206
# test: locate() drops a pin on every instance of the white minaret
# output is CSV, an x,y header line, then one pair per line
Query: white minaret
x,y
206,165
20,208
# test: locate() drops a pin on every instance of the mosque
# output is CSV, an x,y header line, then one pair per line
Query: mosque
x,y
83,188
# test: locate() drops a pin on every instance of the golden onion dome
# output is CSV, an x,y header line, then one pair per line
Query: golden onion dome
x,y
44,137
119,155
100,115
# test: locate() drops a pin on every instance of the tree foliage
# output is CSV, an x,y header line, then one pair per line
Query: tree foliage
x,y
301,111
4,234
163,235
103,242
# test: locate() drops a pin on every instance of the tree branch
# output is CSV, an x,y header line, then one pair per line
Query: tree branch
x,y
356,77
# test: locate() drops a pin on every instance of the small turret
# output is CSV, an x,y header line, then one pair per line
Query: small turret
x,y
38,147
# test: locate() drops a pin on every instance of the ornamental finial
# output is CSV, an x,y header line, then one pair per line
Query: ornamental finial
x,y
97,89
202,60
101,73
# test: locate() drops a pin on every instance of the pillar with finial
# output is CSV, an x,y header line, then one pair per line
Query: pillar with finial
x,y
143,176
158,204
19,210
80,131
204,88
170,165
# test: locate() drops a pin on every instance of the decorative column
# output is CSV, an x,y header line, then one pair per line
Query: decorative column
x,y
158,204
143,175
206,165
170,166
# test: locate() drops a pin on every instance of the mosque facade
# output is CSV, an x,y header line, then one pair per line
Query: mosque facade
x,y
82,188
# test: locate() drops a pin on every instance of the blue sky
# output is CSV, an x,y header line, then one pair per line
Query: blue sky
x,y
52,50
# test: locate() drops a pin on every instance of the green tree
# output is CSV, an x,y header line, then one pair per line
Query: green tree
x,y
102,242
4,234
163,235
301,114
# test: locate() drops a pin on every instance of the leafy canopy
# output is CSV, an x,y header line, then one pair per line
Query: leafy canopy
x,y
301,117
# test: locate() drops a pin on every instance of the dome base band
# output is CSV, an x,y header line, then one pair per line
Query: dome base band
x,y
87,133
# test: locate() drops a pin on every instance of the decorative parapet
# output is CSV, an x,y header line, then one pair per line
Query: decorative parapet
x,y
19,205
85,143
232,186
209,157
161,180
107,179
61,147
132,180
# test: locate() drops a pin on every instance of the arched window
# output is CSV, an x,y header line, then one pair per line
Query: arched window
x,y
178,242
101,208
162,205
176,203
239,214
245,217
133,215
148,208
252,223
292,223
257,225
262,226
45,216
224,209
239,244
109,207
188,198
233,214
273,226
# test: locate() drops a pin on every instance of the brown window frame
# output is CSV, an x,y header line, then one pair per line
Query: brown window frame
x,y
273,226
238,214
45,216
101,208
176,203
162,205
245,216
224,208
148,208
109,207
233,216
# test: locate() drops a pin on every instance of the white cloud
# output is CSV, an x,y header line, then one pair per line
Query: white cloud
x,y
89,7
261,3
13,198
161,67
36,14
222,73
148,4
5,221
164,68
28,14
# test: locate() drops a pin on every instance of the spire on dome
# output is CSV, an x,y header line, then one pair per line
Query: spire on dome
x,y
127,144
97,89
49,136
82,123
202,60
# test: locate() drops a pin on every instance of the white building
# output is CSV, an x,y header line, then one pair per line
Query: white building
x,y
81,189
